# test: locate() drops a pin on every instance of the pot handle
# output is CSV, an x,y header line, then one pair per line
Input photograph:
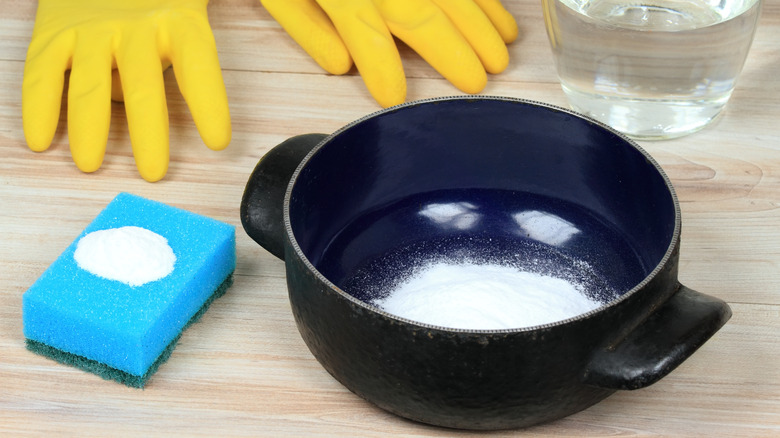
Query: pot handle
x,y
262,206
660,343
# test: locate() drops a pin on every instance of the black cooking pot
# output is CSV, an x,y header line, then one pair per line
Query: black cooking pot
x,y
348,214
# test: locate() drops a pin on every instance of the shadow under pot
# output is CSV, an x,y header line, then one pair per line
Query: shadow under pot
x,y
476,183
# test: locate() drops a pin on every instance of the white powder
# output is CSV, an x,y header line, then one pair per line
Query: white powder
x,y
132,255
488,297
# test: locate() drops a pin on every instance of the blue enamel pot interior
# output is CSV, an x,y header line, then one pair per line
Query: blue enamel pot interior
x,y
487,180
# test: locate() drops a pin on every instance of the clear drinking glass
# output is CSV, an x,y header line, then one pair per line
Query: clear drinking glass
x,y
652,69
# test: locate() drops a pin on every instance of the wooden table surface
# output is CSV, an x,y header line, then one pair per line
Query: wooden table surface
x,y
244,370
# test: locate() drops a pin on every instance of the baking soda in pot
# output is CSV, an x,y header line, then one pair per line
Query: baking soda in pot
x,y
476,296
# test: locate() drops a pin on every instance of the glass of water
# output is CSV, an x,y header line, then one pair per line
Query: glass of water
x,y
652,69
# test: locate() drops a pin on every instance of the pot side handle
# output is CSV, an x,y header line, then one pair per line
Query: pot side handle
x,y
262,206
660,343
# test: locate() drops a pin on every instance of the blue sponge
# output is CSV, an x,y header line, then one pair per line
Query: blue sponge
x,y
119,329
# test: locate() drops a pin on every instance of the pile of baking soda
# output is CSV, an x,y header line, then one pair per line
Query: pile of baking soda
x,y
132,255
484,297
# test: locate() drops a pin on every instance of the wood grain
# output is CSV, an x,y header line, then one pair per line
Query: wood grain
x,y
243,370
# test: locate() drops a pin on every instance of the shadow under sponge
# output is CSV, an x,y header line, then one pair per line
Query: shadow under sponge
x,y
122,332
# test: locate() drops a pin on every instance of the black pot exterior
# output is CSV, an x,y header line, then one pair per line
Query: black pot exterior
x,y
489,379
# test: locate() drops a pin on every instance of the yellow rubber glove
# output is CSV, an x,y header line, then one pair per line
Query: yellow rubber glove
x,y
461,39
137,38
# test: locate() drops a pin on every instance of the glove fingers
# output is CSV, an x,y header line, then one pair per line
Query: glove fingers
x,y
44,78
427,30
372,47
196,66
479,31
89,100
311,28
502,20
116,82
116,86
144,94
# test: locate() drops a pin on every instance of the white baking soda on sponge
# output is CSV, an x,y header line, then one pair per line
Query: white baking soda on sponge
x,y
118,298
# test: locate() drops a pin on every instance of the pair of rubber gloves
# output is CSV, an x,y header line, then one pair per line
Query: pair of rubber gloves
x,y
119,49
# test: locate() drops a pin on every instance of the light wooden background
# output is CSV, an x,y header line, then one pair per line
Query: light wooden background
x,y
244,370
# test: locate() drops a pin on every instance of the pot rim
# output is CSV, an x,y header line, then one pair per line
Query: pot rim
x,y
628,294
